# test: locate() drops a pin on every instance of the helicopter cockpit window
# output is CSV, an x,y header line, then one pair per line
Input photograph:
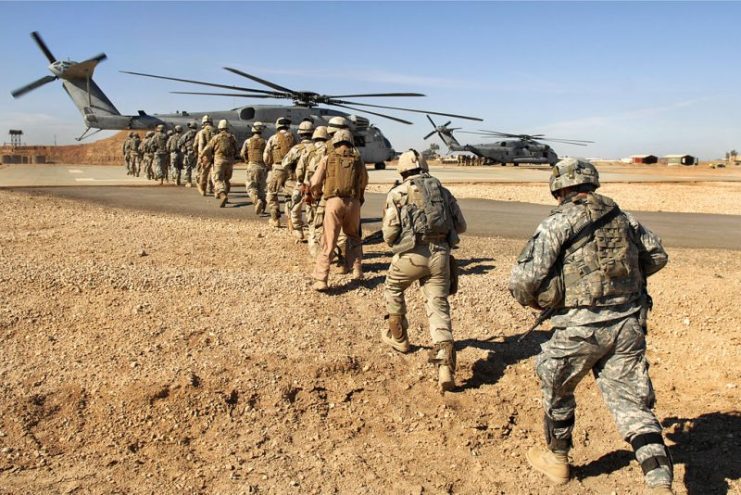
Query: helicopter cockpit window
x,y
359,141
247,113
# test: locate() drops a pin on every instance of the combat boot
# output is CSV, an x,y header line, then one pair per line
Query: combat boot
x,y
188,184
274,222
555,465
320,286
223,199
658,490
260,207
443,355
396,334
357,273
298,234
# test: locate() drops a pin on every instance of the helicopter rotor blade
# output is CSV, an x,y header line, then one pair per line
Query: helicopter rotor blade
x,y
369,95
407,110
430,134
31,86
203,83
39,41
97,59
372,113
446,124
261,81
561,141
238,95
431,122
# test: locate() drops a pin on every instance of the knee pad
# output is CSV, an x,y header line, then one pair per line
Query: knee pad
x,y
654,461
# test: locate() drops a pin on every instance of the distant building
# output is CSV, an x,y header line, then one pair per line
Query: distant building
x,y
681,160
644,159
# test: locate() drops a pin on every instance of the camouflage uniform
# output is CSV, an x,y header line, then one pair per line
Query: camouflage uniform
x,y
305,169
252,154
148,155
134,158
125,148
158,146
295,204
275,149
186,145
223,148
599,323
203,137
176,156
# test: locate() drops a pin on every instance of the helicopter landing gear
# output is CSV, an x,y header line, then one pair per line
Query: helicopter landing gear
x,y
380,166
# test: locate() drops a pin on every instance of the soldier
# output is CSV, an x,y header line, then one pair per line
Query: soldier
x,y
147,156
305,169
587,264
134,153
252,155
341,179
421,223
203,137
176,156
275,149
186,145
125,149
223,150
158,146
290,163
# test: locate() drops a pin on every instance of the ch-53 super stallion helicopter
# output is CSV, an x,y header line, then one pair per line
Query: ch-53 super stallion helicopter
x,y
519,149
99,113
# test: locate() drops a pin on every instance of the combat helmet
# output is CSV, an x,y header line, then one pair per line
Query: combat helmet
x,y
150,133
571,172
160,127
411,160
223,124
342,136
337,123
132,134
178,128
257,127
170,132
193,125
282,122
320,134
306,127
207,120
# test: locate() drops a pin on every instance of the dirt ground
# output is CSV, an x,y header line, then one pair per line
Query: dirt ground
x,y
164,354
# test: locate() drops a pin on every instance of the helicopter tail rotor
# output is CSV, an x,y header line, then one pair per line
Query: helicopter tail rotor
x,y
445,133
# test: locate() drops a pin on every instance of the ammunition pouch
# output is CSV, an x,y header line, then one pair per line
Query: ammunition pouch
x,y
549,427
448,358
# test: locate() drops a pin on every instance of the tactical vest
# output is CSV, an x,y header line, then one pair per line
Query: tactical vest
x,y
426,216
225,146
255,148
172,143
603,268
159,143
342,174
187,141
283,142
204,137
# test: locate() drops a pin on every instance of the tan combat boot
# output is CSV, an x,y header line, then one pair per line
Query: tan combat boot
x,y
658,490
223,199
357,273
396,334
298,234
274,222
320,286
443,356
555,465
259,207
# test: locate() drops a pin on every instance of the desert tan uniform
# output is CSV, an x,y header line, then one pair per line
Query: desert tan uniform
x,y
305,169
252,151
203,137
276,148
418,255
342,178
290,164
223,148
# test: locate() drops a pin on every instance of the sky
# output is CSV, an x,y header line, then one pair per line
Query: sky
x,y
658,77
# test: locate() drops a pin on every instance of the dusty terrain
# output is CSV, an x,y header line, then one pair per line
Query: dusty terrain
x,y
163,354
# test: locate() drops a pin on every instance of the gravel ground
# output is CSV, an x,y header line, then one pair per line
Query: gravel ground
x,y
699,197
164,354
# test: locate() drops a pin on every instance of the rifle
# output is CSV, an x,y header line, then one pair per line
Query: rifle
x,y
544,315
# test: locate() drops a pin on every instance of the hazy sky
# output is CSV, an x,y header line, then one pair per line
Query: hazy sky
x,y
635,77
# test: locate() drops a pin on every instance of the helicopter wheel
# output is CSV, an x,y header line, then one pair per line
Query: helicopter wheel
x,y
380,166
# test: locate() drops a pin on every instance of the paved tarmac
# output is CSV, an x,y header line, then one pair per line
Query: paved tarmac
x,y
485,218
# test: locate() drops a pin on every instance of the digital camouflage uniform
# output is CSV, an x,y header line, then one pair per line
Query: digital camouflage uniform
x,y
133,154
148,158
205,164
125,149
252,154
600,326
223,148
186,143
421,223
158,146
295,204
275,149
176,156
305,169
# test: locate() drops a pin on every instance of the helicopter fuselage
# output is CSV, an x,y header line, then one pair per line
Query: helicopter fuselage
x,y
515,152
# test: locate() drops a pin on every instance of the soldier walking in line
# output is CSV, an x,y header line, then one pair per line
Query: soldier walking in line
x,y
186,144
252,155
134,159
125,149
341,179
421,223
223,151
147,156
275,149
176,156
587,264
203,137
305,169
158,145
290,163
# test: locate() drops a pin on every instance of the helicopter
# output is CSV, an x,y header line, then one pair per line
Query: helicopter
x,y
99,113
515,148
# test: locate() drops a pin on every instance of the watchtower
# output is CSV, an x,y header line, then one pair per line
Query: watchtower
x,y
15,138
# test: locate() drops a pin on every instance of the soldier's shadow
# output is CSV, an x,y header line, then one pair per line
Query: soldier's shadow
x,y
489,370
474,266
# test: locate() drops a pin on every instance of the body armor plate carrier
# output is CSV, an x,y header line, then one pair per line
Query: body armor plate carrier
x,y
343,174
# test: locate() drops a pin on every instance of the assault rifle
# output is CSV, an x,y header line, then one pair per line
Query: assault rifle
x,y
544,315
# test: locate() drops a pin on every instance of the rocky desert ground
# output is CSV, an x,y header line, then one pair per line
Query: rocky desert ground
x,y
152,353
